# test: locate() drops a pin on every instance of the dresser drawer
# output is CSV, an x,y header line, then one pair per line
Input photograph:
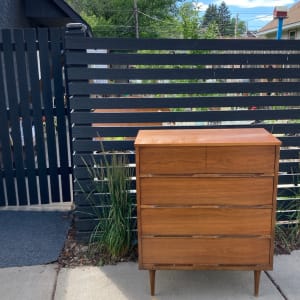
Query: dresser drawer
x,y
206,191
242,159
206,221
219,251
171,160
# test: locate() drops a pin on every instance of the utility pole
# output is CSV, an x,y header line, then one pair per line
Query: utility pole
x,y
136,16
236,25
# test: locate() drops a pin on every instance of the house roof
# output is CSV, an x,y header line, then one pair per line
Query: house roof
x,y
291,21
50,13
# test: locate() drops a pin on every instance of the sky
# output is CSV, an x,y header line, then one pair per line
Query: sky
x,y
256,13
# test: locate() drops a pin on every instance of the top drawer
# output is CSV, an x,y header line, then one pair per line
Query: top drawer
x,y
182,160
172,160
241,159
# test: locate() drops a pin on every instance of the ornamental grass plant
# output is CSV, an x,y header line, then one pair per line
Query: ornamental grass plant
x,y
111,202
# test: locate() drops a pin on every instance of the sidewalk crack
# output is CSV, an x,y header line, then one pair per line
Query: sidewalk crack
x,y
55,283
276,285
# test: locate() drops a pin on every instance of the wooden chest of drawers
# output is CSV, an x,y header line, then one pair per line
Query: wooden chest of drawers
x,y
206,199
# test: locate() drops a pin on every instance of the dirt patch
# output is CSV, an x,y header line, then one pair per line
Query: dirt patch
x,y
78,254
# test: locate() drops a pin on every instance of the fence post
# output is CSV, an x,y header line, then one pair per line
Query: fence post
x,y
72,30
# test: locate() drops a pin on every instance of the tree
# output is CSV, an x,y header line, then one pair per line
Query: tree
x,y
189,21
211,15
116,18
224,20
217,19
212,31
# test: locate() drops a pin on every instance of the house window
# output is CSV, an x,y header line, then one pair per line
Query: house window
x,y
292,35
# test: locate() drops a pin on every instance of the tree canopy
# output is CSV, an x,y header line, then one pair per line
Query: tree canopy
x,y
223,20
224,23
117,17
189,21
157,18
211,15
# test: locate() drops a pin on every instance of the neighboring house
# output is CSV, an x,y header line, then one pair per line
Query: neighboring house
x,y
37,13
290,29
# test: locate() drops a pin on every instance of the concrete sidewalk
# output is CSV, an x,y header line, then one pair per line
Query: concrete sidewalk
x,y
125,281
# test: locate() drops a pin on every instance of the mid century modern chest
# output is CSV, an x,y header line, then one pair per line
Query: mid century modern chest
x,y
206,199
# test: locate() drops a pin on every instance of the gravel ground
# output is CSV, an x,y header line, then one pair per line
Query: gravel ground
x,y
77,254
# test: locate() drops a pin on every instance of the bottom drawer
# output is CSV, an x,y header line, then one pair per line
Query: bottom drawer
x,y
207,251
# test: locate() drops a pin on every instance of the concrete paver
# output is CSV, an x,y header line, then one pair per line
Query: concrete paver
x,y
286,274
125,281
28,283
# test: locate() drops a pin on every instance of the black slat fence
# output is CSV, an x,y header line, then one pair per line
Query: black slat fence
x,y
131,84
35,162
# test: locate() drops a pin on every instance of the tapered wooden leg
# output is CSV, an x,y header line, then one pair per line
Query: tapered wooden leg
x,y
256,282
152,281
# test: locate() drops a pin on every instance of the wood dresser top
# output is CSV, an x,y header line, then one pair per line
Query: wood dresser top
x,y
206,137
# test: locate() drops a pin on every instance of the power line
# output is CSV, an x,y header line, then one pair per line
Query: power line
x,y
153,18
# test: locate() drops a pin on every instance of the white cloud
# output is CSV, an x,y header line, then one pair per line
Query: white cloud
x,y
257,3
200,6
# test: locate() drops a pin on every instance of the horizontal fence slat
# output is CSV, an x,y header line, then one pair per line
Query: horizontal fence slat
x,y
78,43
83,159
83,172
81,58
81,73
182,102
88,212
291,167
285,178
87,145
90,146
81,198
83,131
195,116
290,140
288,192
290,153
85,88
